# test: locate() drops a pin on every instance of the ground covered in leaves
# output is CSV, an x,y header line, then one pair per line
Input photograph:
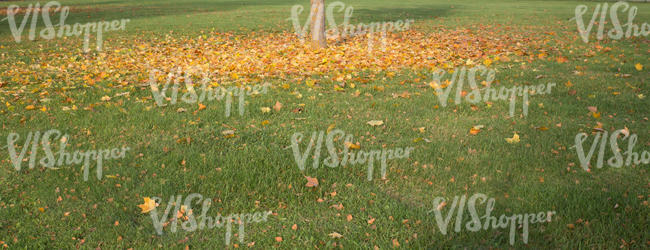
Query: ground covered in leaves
x,y
378,90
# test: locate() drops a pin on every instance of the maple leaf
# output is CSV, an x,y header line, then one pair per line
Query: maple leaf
x,y
148,205
311,181
201,106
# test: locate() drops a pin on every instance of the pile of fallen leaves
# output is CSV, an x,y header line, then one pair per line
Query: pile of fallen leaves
x,y
252,58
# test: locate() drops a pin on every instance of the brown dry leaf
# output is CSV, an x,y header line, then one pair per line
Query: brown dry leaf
x,y
542,128
311,182
277,106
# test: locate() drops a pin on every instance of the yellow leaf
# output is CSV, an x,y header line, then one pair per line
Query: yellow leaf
x,y
30,107
352,145
265,109
596,115
375,123
487,62
201,106
265,122
542,128
514,139
148,205
639,66
330,127
335,235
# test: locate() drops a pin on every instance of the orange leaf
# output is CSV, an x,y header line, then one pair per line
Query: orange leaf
x,y
277,106
311,182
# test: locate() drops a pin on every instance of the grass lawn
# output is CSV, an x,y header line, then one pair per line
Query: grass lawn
x,y
246,164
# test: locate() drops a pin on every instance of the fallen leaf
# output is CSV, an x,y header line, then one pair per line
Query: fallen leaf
x,y
277,106
105,98
148,205
278,239
294,227
441,205
335,235
475,129
638,66
201,106
265,109
514,139
228,133
375,123
311,182
592,109
352,145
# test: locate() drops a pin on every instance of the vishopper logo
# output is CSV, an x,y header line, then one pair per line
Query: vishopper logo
x,y
209,90
461,75
489,221
49,31
617,159
348,157
184,214
349,30
617,32
64,158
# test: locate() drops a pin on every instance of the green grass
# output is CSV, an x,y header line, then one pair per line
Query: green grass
x,y
256,170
